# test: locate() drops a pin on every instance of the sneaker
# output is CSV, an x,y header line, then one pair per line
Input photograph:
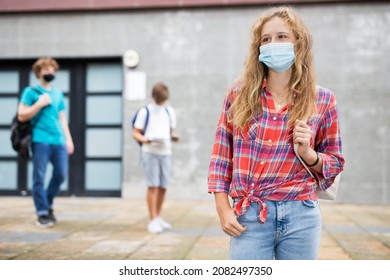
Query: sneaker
x,y
44,222
51,216
163,223
155,227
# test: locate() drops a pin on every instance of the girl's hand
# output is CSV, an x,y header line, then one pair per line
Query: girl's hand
x,y
229,223
302,136
227,218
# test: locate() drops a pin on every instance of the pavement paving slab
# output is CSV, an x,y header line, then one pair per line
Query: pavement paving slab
x,y
115,229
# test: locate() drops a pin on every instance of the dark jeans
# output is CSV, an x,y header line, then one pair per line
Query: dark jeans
x,y
42,154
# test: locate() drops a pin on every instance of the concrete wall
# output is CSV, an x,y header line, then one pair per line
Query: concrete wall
x,y
198,53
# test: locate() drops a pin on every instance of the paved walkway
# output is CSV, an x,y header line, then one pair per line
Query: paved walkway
x,y
114,228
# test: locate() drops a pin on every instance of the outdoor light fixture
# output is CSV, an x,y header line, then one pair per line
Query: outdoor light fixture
x,y
131,59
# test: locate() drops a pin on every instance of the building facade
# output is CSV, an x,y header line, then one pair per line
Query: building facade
x,y
198,49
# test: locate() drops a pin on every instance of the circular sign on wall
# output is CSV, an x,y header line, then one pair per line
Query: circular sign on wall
x,y
131,58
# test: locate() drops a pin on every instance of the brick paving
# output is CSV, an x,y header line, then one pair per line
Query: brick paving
x,y
115,228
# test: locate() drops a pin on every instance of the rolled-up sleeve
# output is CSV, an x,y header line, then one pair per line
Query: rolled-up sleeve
x,y
329,146
220,169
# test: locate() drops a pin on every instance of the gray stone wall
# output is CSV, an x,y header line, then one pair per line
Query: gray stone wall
x,y
198,53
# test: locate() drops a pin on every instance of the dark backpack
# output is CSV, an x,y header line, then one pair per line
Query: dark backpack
x,y
146,122
21,135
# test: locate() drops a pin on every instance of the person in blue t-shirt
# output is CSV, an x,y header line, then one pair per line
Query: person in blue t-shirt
x,y
52,142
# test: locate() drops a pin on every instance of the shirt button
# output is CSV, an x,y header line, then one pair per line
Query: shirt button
x,y
252,185
274,118
270,140
262,163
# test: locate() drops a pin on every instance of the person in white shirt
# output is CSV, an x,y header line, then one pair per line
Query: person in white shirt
x,y
158,120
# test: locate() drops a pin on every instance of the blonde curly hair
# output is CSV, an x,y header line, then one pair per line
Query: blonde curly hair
x,y
302,81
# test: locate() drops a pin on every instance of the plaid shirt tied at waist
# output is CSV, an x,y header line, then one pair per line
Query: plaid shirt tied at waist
x,y
243,205
258,163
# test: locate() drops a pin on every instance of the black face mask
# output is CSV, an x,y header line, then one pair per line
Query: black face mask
x,y
48,77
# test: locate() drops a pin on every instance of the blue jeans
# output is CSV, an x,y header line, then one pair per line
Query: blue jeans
x,y
42,154
292,231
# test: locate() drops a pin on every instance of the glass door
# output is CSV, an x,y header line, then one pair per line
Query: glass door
x,y
9,92
103,128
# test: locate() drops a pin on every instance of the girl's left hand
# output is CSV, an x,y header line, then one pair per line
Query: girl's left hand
x,y
302,136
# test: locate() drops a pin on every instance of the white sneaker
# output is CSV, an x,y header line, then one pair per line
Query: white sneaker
x,y
155,227
163,223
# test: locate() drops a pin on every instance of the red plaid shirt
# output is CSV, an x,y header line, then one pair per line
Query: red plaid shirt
x,y
258,163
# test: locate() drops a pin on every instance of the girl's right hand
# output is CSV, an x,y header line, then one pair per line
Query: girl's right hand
x,y
227,217
229,223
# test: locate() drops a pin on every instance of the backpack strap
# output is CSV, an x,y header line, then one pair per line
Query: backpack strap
x,y
36,90
170,120
301,160
39,115
146,119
